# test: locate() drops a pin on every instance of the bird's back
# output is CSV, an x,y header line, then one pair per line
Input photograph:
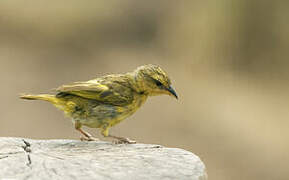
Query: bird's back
x,y
111,89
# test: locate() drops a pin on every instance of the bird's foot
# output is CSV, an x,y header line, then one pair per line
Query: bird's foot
x,y
124,141
90,138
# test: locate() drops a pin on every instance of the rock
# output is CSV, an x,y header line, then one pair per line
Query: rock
x,y
72,159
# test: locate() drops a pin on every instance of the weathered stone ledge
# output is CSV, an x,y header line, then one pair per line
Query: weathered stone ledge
x,y
30,159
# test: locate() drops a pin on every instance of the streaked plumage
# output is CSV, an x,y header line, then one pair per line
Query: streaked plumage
x,y
107,100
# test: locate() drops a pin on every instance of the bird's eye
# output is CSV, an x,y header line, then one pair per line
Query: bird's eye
x,y
158,83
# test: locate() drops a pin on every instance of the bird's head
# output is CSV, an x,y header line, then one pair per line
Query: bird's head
x,y
152,80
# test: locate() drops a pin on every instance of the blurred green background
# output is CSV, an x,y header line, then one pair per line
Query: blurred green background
x,y
228,61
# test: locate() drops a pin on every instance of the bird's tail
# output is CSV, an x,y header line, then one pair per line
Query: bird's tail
x,y
45,97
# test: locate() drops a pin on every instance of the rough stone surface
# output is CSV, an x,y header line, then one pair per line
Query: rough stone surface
x,y
71,159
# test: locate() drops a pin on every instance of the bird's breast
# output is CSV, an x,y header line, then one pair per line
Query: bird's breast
x,y
126,111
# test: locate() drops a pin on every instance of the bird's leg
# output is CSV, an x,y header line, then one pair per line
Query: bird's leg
x,y
87,136
119,140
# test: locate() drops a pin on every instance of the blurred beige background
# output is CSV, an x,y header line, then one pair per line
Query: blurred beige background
x,y
228,61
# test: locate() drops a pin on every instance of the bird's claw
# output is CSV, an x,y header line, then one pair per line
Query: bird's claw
x,y
124,141
89,138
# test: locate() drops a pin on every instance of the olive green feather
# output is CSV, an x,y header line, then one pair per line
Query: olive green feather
x,y
111,89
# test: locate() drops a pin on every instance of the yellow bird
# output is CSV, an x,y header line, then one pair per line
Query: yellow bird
x,y
105,101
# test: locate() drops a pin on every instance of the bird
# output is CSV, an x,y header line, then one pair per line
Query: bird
x,y
107,100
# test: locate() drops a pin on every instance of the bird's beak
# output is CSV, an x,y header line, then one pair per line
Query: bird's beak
x,y
172,91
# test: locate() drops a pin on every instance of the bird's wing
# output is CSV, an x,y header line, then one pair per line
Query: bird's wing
x,y
109,90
